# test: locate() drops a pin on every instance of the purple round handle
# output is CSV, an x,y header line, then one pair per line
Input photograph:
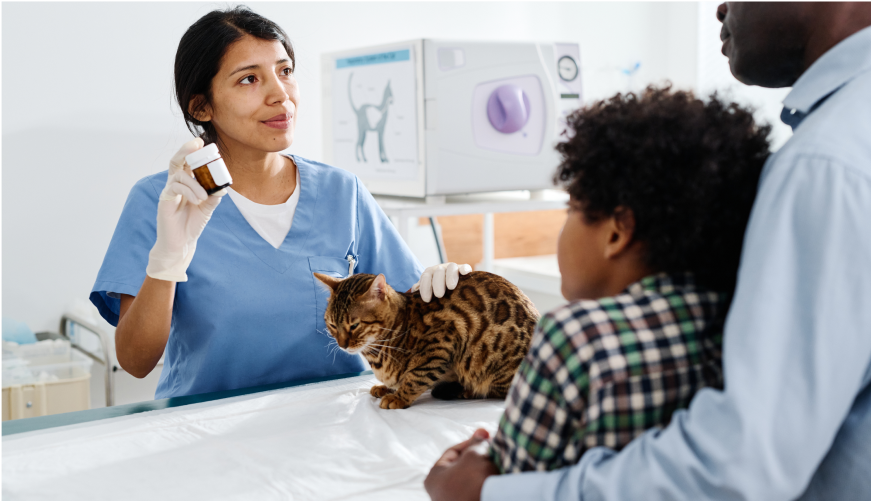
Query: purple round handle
x,y
508,108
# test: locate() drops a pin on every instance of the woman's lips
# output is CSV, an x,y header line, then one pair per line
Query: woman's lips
x,y
725,43
278,121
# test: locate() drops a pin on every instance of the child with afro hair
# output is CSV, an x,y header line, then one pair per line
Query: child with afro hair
x,y
661,186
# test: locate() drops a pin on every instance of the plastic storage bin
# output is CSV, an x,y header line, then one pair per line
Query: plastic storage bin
x,y
39,389
46,352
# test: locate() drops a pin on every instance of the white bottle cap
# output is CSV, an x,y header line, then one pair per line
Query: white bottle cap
x,y
203,155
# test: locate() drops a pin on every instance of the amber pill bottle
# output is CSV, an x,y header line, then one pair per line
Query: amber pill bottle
x,y
209,168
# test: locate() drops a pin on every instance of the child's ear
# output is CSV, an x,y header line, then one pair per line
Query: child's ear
x,y
330,282
378,289
622,230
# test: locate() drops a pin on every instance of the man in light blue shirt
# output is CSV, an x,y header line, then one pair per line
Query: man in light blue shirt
x,y
794,418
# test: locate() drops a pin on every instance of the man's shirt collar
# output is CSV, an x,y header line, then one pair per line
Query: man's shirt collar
x,y
842,63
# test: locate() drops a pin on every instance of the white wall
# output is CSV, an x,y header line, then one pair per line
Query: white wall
x,y
88,107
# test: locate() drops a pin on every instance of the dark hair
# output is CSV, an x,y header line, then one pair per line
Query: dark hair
x,y
201,49
688,170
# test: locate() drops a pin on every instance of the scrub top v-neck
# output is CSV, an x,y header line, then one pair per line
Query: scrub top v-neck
x,y
272,222
251,314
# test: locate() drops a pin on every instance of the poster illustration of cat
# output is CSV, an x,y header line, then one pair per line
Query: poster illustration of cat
x,y
366,115
373,106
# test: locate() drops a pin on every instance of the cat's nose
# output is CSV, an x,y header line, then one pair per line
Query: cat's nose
x,y
343,342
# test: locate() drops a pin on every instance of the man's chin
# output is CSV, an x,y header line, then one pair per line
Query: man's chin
x,y
765,79
744,74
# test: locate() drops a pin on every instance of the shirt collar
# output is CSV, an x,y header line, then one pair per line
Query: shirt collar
x,y
842,63
664,283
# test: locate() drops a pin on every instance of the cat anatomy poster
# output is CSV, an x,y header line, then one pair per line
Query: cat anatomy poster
x,y
374,115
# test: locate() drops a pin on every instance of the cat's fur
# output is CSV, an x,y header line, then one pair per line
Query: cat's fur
x,y
468,343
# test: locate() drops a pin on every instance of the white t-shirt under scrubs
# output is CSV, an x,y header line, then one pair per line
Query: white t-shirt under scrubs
x,y
272,222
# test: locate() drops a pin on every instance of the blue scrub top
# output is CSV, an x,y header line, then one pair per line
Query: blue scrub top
x,y
251,314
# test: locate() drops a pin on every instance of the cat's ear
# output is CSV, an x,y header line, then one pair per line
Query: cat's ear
x,y
331,282
378,289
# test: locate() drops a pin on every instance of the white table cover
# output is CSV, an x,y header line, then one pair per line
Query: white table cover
x,y
326,441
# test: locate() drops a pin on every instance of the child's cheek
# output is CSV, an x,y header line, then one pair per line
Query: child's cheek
x,y
570,256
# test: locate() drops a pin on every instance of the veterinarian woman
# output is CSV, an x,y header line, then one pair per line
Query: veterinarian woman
x,y
224,284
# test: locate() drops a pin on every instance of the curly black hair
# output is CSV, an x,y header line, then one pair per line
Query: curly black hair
x,y
688,169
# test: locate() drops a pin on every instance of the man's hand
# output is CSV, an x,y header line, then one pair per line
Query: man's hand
x,y
460,473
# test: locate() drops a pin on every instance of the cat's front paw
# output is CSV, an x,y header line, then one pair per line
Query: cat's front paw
x,y
379,390
391,401
470,395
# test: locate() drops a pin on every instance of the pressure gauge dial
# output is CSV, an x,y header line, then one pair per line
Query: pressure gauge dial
x,y
567,68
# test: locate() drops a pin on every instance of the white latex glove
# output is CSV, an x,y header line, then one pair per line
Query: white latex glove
x,y
434,279
183,210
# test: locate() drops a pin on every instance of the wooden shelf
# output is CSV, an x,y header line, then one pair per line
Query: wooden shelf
x,y
472,239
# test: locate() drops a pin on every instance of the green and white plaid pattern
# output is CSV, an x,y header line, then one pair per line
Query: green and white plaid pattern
x,y
600,373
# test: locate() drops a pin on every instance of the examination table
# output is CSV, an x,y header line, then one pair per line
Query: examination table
x,y
323,439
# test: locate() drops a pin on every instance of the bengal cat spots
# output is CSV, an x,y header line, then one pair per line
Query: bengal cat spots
x,y
475,337
473,299
497,342
521,317
503,312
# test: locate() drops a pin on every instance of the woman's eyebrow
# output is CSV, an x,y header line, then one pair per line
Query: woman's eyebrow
x,y
245,68
256,66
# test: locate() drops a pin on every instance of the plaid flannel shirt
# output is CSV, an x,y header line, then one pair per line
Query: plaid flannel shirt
x,y
600,373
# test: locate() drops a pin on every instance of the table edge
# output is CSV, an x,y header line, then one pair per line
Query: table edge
x,y
24,425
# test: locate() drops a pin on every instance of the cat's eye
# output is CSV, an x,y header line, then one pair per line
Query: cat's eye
x,y
354,326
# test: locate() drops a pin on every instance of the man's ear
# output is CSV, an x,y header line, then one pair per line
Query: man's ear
x,y
199,108
330,282
378,289
621,232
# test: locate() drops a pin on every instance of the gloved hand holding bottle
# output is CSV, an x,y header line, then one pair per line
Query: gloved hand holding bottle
x,y
183,210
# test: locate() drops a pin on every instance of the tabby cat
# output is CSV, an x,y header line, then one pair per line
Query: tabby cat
x,y
467,344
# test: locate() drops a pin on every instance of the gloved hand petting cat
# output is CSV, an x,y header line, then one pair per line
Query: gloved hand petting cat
x,y
183,210
434,279
468,343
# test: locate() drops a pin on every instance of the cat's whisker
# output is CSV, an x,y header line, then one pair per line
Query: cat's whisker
x,y
325,333
389,347
394,337
384,345
393,330
401,333
375,351
335,351
387,357
380,341
331,342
